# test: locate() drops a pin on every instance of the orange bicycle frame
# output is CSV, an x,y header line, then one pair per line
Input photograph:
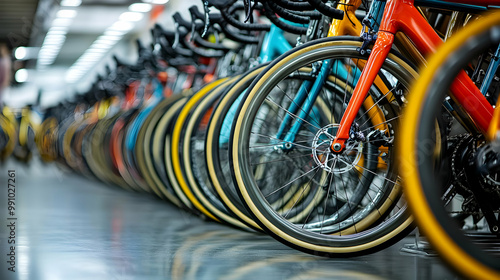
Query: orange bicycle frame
x,y
402,15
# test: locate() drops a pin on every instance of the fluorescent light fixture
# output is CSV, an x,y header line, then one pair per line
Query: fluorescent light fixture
x,y
131,16
140,7
121,26
75,72
66,13
48,53
103,43
63,22
53,40
21,75
56,32
53,45
72,79
49,48
114,33
59,28
157,2
71,3
21,53
44,59
55,37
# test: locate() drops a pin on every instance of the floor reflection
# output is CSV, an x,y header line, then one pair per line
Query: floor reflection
x,y
71,227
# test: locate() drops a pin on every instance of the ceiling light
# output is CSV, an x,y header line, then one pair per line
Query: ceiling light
x,y
56,32
21,75
140,7
131,16
48,48
71,3
63,22
48,52
158,2
56,38
66,14
76,71
53,44
114,33
20,53
44,58
122,26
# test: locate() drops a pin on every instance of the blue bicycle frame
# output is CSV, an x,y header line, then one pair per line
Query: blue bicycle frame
x,y
133,133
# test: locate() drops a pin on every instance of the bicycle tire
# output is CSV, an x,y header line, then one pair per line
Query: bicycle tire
x,y
376,234
178,181
444,235
194,169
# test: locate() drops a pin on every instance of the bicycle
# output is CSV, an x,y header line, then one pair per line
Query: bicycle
x,y
347,142
440,200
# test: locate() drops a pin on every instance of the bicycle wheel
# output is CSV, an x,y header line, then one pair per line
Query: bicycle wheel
x,y
8,137
217,149
45,139
178,179
145,150
160,152
352,207
450,208
193,152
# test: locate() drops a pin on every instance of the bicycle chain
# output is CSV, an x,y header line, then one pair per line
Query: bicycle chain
x,y
458,176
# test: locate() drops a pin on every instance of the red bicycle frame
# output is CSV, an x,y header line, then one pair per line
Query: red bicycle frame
x,y
402,15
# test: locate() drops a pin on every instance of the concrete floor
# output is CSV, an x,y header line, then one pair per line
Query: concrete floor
x,y
70,227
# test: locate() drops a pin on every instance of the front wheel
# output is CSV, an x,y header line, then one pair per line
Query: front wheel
x,y
301,192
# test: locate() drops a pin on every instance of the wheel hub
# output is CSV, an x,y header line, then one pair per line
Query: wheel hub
x,y
332,161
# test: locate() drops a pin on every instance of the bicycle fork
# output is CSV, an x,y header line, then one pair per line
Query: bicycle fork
x,y
378,54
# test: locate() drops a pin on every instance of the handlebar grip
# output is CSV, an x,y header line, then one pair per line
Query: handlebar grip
x,y
286,14
326,10
195,13
238,37
294,6
286,27
193,10
244,26
220,4
182,22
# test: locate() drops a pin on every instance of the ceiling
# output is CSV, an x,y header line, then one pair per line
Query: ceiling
x,y
16,21
28,21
